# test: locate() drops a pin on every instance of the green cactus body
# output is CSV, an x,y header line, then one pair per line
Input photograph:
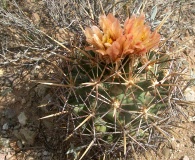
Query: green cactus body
x,y
119,95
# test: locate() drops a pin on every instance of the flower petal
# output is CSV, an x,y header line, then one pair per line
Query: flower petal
x,y
97,42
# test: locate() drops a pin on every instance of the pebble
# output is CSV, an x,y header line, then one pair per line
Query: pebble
x,y
1,72
23,101
185,158
39,154
45,153
36,18
5,142
29,158
5,127
25,136
193,139
189,94
28,136
22,118
19,144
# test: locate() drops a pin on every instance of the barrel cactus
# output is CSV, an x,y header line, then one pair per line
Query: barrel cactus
x,y
117,89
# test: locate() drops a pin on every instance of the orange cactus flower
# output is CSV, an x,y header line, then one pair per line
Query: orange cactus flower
x,y
113,43
143,39
102,42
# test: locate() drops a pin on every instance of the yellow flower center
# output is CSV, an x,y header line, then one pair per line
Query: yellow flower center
x,y
142,37
107,39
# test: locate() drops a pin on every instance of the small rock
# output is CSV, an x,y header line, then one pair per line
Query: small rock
x,y
1,72
23,101
185,158
25,136
22,118
5,127
4,142
189,94
29,158
19,144
193,139
28,135
45,153
39,154
36,18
